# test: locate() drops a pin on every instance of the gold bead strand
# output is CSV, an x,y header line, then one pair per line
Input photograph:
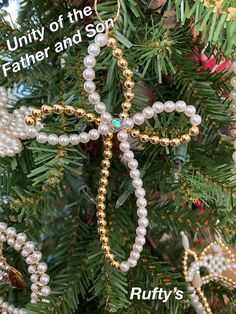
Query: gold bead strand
x,y
127,73
204,300
101,201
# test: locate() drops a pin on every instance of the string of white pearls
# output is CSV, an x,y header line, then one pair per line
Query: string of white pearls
x,y
168,107
233,108
36,268
195,301
141,202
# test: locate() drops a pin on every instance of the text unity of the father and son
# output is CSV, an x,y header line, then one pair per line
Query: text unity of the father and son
x,y
39,35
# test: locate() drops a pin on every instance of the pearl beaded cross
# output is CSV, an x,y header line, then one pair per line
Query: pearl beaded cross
x,y
220,263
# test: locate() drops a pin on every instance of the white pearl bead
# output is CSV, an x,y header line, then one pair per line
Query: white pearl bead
x,y
25,253
140,240
42,267
138,118
89,74
142,212
124,146
169,106
94,49
5,305
21,237
232,95
42,138
44,279
36,256
94,135
124,267
89,87
128,123
137,183
84,137
3,226
128,155
180,106
158,107
31,269
103,129
143,222
64,140
234,156
11,232
34,278
137,248
132,262
29,246
135,255
31,132
34,287
101,40
141,202
11,308
190,111
148,112
11,241
53,139
122,136
196,119
100,107
74,139
106,117
133,164
134,173
17,246
94,98
89,61
233,81
139,192
29,259
233,107
22,311
46,291
141,231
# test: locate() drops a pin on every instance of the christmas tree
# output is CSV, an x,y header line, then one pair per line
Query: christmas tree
x,y
176,53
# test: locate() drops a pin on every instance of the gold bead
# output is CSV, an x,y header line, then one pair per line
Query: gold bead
x,y
108,144
90,117
100,206
144,138
103,182
126,106
123,115
109,257
36,113
106,248
100,198
107,154
46,109
129,84
69,110
135,133
102,231
164,142
174,142
102,190
104,240
102,223
58,109
117,53
129,95
80,112
194,131
185,138
111,42
115,264
105,173
122,63
105,164
98,121
30,121
155,139
100,214
128,73
109,135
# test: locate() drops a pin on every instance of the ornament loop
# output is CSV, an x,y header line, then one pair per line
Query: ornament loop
x,y
98,15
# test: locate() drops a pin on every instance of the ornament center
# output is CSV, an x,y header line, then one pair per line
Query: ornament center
x,y
116,125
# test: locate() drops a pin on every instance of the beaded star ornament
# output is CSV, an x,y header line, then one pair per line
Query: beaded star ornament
x,y
219,262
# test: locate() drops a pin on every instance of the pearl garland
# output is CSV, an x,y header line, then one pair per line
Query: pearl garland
x,y
216,258
233,108
36,267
